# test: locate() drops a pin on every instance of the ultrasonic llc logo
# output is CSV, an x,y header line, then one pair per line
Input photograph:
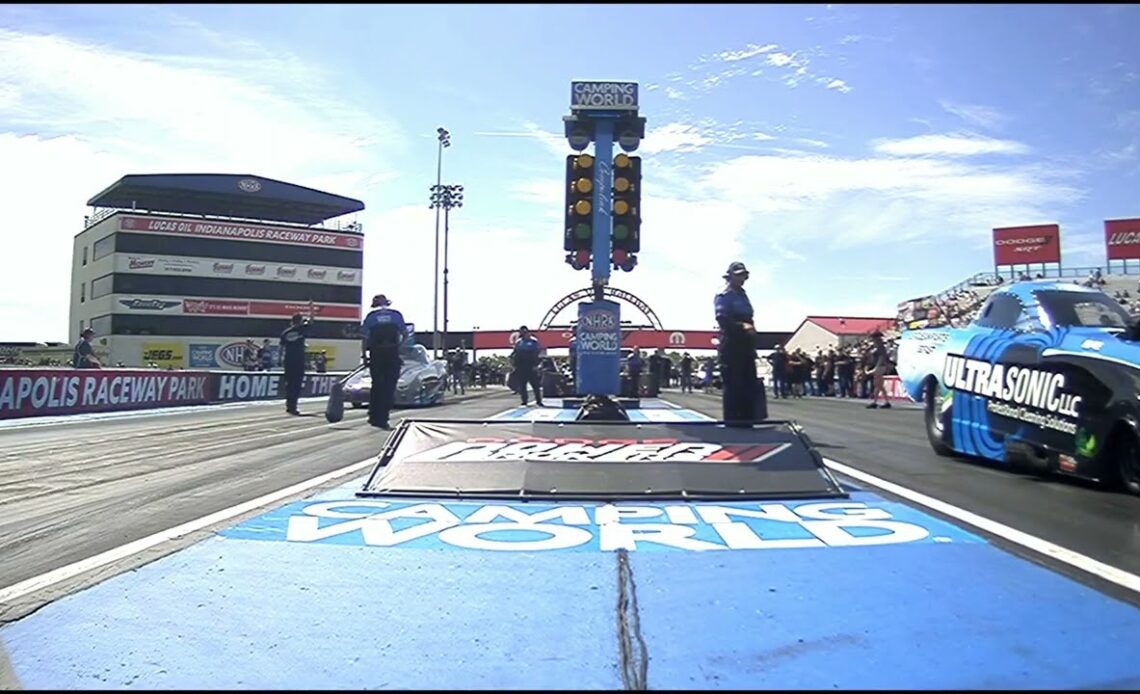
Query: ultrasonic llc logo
x,y
1042,390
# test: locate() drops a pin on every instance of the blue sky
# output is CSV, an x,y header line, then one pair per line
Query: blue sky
x,y
853,156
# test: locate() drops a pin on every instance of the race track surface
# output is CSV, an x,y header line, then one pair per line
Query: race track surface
x,y
891,444
69,491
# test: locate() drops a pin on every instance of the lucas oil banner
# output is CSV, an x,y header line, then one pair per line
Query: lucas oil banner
x,y
57,392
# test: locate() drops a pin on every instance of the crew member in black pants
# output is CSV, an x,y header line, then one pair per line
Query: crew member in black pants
x,y
737,348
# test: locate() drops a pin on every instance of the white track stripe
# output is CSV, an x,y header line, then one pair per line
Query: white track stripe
x,y
1077,560
63,573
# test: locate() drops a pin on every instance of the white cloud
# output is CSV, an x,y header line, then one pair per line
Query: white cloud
x,y
674,93
843,203
975,114
840,85
779,59
674,137
265,114
750,51
958,144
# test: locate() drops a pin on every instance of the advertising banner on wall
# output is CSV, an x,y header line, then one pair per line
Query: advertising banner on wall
x,y
165,355
318,238
1122,239
29,393
1027,245
167,305
133,263
231,355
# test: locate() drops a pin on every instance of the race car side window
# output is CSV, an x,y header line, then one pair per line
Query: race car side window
x,y
1002,312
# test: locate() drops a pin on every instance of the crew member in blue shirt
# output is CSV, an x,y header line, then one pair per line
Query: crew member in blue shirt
x,y
383,331
293,360
525,359
737,348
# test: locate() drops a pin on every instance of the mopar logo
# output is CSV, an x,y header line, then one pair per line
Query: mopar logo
x,y
147,304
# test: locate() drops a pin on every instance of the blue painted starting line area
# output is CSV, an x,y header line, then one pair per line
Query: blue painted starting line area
x,y
340,592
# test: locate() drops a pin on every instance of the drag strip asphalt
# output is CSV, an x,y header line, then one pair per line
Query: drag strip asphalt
x,y
891,444
71,491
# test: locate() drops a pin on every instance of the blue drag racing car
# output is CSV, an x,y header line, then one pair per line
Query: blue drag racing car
x,y
1046,378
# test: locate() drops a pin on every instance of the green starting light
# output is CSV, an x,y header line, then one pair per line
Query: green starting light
x,y
583,231
621,231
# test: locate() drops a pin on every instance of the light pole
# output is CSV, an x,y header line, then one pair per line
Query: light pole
x,y
444,138
447,197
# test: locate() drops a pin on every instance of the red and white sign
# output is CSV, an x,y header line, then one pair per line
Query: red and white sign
x,y
213,267
242,232
226,307
1122,239
28,393
1027,245
643,339
895,389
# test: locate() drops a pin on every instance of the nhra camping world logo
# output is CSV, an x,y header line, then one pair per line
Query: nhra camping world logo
x,y
570,450
147,304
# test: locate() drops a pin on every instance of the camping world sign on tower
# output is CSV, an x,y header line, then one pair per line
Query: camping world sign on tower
x,y
603,96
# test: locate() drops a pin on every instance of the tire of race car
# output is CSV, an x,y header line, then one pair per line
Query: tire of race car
x,y
1128,462
940,441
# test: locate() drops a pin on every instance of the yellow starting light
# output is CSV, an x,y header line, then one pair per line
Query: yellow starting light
x,y
582,207
621,185
621,161
621,207
584,161
583,185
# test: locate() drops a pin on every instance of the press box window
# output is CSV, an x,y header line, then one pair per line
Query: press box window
x,y
102,286
103,247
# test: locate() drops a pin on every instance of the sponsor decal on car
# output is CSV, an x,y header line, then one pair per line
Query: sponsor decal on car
x,y
1019,385
603,451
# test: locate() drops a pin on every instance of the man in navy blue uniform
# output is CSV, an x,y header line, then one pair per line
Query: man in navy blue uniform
x,y
525,359
383,331
293,360
737,348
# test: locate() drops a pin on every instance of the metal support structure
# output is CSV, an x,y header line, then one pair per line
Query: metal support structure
x,y
598,110
603,200
446,198
444,138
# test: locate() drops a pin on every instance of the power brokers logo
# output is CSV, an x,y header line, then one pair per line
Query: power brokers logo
x,y
599,451
1018,385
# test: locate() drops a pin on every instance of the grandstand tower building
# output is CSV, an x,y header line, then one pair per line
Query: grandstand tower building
x,y
181,270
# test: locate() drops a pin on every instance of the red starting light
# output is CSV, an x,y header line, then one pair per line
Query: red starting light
x,y
620,256
582,258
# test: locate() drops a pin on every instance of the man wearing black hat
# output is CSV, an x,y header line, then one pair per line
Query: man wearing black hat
x,y
525,358
737,348
383,331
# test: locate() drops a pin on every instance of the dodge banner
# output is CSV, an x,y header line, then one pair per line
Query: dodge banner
x,y
1027,245
1122,239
